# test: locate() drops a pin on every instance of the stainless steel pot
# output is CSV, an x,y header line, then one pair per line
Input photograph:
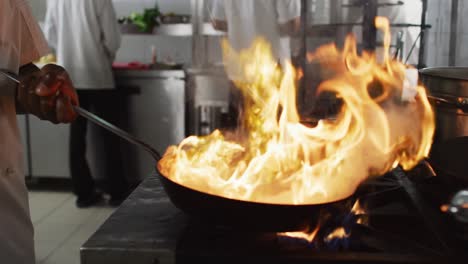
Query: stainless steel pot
x,y
448,90
448,87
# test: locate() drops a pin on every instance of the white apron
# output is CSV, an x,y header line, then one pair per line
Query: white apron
x,y
16,230
21,42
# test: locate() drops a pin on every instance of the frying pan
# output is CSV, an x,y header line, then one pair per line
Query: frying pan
x,y
210,209
224,212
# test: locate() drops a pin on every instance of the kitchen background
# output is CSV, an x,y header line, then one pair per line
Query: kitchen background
x,y
138,48
157,100
168,105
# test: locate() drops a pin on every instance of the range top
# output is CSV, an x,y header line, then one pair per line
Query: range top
x,y
400,222
397,226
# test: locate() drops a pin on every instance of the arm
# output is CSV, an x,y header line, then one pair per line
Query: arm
x,y
47,92
218,16
110,30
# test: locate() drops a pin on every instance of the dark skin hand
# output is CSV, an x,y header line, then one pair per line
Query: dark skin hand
x,y
47,93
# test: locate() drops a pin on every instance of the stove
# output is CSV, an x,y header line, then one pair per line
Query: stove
x,y
399,226
401,223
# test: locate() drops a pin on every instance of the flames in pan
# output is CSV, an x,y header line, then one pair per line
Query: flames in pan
x,y
273,158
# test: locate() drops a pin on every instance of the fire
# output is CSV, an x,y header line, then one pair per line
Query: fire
x,y
273,158
308,236
357,208
340,232
359,211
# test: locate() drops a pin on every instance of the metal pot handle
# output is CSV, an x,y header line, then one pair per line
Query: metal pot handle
x,y
457,102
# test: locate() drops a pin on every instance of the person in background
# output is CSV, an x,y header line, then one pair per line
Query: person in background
x,y
85,36
47,93
245,20
397,12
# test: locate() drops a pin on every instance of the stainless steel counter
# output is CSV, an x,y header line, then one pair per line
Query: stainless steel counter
x,y
144,230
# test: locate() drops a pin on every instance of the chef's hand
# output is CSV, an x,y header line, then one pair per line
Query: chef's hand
x,y
47,93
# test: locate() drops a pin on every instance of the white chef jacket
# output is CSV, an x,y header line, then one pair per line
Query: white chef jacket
x,y
21,41
86,37
248,19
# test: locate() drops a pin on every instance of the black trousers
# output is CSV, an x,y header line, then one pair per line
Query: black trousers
x,y
107,104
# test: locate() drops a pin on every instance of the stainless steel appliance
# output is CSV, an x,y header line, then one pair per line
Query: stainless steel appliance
x,y
448,87
207,99
401,223
155,114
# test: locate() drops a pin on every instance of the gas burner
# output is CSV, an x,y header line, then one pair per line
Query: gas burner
x,y
399,221
391,227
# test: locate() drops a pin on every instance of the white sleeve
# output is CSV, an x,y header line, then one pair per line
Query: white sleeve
x,y
10,36
50,22
288,10
218,12
110,28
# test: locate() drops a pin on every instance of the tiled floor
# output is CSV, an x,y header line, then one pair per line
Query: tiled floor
x,y
60,227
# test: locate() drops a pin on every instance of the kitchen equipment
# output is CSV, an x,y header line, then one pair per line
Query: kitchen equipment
x,y
448,89
104,124
208,208
207,99
244,215
155,113
392,231
119,132
458,206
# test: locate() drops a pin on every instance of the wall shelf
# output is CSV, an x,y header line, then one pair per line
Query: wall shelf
x,y
176,30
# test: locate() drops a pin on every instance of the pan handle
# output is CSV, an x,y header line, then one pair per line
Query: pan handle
x,y
119,132
104,124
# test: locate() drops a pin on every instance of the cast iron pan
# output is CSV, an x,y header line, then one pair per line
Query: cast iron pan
x,y
224,212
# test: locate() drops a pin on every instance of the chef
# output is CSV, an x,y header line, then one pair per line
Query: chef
x,y
245,20
47,93
85,36
408,12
